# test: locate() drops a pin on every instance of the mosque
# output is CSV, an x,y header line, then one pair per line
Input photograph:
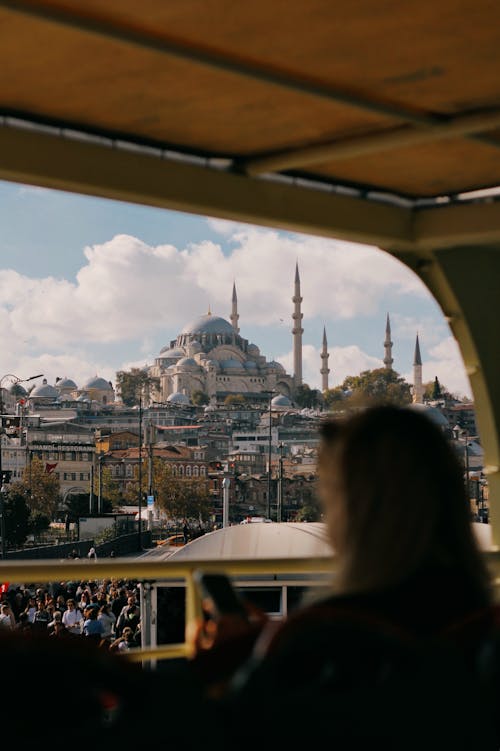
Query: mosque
x,y
210,355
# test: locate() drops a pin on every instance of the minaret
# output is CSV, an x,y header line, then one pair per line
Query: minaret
x,y
388,345
324,363
234,310
418,389
297,331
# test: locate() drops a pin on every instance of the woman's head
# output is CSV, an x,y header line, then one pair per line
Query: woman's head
x,y
393,494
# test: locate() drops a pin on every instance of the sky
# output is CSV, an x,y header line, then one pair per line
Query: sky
x,y
89,286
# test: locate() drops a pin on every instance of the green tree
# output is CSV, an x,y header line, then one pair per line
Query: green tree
x,y
181,497
381,385
310,511
17,516
132,383
234,400
41,489
305,396
110,491
199,398
334,398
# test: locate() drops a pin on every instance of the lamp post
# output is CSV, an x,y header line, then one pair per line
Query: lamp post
x,y
270,394
3,490
279,509
457,432
139,540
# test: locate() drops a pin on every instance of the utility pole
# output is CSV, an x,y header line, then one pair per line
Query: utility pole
x,y
279,509
139,540
269,456
99,496
91,491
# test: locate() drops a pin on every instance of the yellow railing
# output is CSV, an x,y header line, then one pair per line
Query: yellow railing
x,y
159,571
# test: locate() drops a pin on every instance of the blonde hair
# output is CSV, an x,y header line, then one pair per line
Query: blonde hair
x,y
404,503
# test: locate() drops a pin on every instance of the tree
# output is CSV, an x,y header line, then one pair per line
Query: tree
x,y
110,490
334,398
181,497
305,396
381,385
41,489
234,400
132,383
17,516
310,511
199,398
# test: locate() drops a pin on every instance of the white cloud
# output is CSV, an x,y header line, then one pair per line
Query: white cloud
x,y
127,291
343,361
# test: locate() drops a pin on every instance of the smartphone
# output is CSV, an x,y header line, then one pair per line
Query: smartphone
x,y
219,589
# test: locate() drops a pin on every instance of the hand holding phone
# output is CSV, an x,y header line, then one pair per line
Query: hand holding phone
x,y
219,589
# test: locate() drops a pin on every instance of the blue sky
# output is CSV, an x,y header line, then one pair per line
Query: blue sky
x,y
90,286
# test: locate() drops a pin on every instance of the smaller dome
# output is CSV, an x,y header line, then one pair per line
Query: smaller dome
x,y
432,413
210,408
44,391
253,349
18,390
281,401
187,363
172,352
273,365
231,364
98,383
211,364
250,365
194,347
66,383
178,398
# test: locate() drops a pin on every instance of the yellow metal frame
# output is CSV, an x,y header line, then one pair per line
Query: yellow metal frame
x,y
129,568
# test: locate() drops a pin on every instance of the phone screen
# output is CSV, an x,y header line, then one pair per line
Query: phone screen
x,y
219,589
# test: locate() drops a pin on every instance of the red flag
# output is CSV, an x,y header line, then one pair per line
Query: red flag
x,y
50,468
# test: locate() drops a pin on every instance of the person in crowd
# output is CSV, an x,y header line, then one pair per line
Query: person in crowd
x,y
56,618
125,642
72,618
30,609
128,616
93,628
7,618
108,620
42,618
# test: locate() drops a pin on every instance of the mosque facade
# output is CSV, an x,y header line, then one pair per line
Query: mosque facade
x,y
211,356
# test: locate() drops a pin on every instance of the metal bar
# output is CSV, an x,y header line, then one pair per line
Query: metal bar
x,y
44,159
374,143
457,225
167,652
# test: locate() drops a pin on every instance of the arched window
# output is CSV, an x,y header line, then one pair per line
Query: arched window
x,y
174,470
188,471
195,472
181,469
203,471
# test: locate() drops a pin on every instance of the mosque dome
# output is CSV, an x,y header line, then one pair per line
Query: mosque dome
x,y
281,401
18,390
187,363
44,391
208,324
178,398
231,365
98,383
66,383
273,365
433,414
253,350
172,352
211,364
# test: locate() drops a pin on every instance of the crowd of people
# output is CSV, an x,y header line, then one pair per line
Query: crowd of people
x,y
106,612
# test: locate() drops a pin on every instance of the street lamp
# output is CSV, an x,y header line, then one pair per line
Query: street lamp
x,y
279,509
270,395
457,432
139,541
14,380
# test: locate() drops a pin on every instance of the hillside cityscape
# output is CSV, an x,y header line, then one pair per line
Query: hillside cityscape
x,y
96,460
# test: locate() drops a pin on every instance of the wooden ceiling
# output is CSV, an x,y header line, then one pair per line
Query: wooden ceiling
x,y
264,83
